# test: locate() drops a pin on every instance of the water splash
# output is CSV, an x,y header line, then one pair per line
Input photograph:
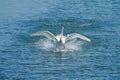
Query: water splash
x,y
47,45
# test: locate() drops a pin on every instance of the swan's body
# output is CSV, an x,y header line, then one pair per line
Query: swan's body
x,y
60,38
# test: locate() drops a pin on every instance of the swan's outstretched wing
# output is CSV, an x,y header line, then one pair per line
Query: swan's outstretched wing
x,y
47,34
75,35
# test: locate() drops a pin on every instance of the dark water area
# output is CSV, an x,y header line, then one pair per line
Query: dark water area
x,y
97,19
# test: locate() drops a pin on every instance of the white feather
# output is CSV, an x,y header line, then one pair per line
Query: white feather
x,y
47,34
75,35
60,37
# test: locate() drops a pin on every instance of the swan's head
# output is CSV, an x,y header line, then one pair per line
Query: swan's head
x,y
62,28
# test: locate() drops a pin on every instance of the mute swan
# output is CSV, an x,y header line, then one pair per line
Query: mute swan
x,y
60,38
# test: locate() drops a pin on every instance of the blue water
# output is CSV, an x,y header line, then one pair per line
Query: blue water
x,y
97,19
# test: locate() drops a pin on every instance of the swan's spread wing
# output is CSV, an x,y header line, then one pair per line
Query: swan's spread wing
x,y
75,35
47,34
58,37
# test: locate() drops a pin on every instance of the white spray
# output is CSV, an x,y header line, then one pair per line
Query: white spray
x,y
47,45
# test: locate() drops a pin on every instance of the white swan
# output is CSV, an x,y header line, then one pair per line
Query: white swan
x,y
60,38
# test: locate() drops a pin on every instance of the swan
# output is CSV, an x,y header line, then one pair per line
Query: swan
x,y
60,38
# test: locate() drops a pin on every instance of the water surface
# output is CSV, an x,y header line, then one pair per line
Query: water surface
x,y
97,60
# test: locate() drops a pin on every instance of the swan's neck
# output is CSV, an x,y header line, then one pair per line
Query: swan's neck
x,y
61,34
